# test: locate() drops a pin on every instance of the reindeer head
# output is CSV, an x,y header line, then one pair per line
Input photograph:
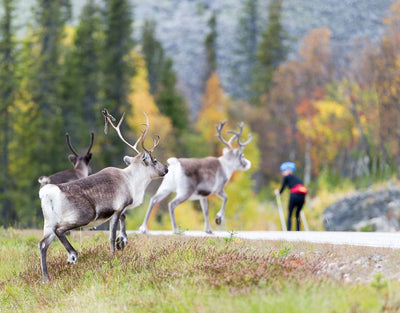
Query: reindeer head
x,y
80,161
234,156
157,169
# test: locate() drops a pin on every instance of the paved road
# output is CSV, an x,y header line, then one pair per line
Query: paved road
x,y
384,240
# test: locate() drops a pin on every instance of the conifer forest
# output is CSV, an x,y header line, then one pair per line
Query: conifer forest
x,y
335,114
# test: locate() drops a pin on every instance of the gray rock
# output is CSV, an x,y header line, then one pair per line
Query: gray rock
x,y
365,211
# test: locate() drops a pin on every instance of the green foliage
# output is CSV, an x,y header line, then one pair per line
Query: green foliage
x,y
192,144
117,67
169,101
210,44
379,282
247,34
271,51
285,250
162,79
232,237
118,44
154,54
81,75
37,119
8,91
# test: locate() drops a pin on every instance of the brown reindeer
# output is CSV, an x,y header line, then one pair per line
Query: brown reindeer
x,y
93,200
81,166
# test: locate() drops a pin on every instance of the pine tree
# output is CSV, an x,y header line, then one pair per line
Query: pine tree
x,y
246,53
271,51
153,54
45,82
51,17
38,146
169,101
81,76
162,78
8,89
118,69
210,44
118,44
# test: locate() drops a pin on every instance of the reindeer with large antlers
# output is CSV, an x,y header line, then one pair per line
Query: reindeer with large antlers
x,y
81,166
196,179
100,197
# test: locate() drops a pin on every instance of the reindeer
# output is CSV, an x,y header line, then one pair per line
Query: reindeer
x,y
196,179
81,166
103,196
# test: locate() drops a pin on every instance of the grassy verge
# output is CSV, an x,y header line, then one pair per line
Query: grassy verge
x,y
181,274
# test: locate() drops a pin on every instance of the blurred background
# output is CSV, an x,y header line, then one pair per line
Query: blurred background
x,y
316,82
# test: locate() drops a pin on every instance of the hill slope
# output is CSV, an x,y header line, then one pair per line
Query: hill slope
x,y
182,27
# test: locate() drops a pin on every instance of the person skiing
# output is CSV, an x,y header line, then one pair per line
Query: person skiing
x,y
297,192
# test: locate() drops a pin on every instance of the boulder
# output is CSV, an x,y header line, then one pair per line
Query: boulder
x,y
365,211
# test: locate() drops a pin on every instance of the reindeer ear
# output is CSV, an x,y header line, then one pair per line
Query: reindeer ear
x,y
146,158
127,160
72,158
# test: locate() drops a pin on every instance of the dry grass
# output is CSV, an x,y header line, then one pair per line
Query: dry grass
x,y
155,274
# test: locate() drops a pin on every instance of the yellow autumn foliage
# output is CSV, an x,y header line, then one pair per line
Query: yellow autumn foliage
x,y
69,34
330,127
214,108
142,101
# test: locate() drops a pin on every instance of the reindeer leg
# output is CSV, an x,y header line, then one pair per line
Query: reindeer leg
x,y
158,197
72,254
171,207
204,207
113,230
122,239
221,213
48,237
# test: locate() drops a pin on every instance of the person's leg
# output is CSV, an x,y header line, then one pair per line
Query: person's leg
x,y
290,211
299,205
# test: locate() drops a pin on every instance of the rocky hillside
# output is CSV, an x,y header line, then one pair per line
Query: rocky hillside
x,y
365,211
182,27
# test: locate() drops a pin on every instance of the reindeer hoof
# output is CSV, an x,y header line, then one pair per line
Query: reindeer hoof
x,y
120,243
143,230
218,220
72,259
209,231
46,279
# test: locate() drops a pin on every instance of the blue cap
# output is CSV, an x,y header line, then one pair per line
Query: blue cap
x,y
288,166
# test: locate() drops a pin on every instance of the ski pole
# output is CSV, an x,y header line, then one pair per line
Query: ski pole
x,y
280,209
303,218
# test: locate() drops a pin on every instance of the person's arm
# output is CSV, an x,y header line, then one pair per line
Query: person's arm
x,y
284,183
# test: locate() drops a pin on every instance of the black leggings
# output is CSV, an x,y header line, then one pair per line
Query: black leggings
x,y
296,200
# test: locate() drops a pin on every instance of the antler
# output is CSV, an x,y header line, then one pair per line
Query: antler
x,y
91,143
156,141
239,134
109,118
156,138
69,145
219,135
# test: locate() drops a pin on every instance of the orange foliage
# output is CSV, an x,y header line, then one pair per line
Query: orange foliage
x,y
214,110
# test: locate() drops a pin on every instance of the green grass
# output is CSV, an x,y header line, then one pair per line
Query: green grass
x,y
181,274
